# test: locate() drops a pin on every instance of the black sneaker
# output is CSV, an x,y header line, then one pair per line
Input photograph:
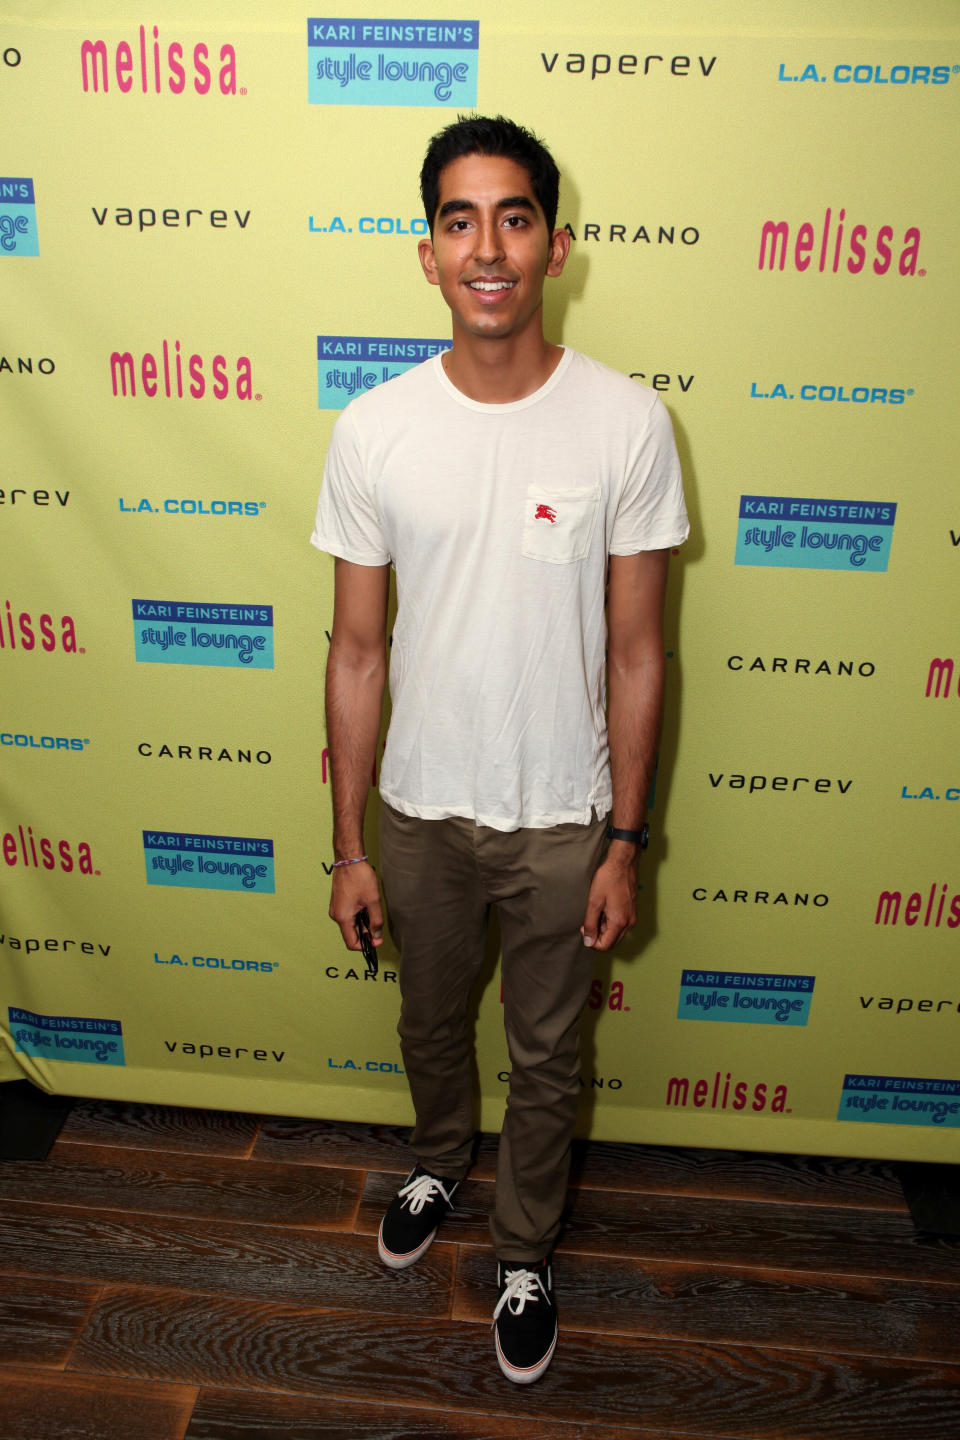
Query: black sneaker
x,y
525,1319
414,1213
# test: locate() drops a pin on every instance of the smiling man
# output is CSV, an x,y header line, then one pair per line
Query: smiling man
x,y
511,483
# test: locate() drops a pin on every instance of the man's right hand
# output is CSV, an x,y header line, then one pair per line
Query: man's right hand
x,y
355,888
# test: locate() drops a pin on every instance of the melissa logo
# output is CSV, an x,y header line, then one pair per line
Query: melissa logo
x,y
18,217
347,364
393,62
46,633
177,376
792,532
209,862
67,1037
821,246
900,1100
176,632
149,66
745,999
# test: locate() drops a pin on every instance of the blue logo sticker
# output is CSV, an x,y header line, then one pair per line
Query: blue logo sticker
x,y
348,364
900,1100
209,862
67,1037
175,632
393,62
745,999
18,217
792,532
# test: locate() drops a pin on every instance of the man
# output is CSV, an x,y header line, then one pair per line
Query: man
x,y
503,480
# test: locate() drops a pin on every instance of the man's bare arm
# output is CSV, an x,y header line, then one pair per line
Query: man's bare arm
x,y
635,676
356,674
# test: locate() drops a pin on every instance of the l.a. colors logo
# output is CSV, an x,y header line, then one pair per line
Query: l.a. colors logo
x,y
900,1100
820,247
18,217
149,66
867,74
347,364
209,862
177,632
790,531
177,376
745,999
67,1037
393,62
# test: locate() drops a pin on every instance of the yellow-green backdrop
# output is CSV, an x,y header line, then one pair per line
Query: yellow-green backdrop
x,y
208,222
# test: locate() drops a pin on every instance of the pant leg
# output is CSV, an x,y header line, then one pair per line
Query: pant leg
x,y
546,973
437,915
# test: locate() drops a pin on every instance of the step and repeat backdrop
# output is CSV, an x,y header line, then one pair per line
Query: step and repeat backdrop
x,y
208,225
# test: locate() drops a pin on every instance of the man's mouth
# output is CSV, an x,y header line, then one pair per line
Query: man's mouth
x,y
489,286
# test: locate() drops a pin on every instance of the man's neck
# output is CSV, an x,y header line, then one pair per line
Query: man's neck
x,y
497,372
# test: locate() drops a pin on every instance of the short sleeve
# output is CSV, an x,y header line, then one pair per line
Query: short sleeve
x,y
651,514
348,521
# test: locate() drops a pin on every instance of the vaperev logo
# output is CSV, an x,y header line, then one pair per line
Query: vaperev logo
x,y
745,999
209,862
176,632
798,533
67,1037
18,217
900,1100
347,364
393,62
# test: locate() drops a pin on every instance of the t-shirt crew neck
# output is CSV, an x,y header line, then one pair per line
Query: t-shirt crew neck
x,y
499,521
484,407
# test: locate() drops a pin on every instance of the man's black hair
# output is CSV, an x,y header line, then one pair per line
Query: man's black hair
x,y
483,135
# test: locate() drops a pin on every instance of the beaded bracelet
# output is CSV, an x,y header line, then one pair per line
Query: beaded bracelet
x,y
356,861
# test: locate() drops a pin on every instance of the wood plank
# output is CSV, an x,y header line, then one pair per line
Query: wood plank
x,y
217,1187
261,1262
239,1415
743,1175
41,1319
160,1127
342,1142
709,1390
45,1406
846,1315
832,1239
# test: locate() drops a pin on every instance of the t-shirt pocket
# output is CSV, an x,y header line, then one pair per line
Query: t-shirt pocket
x,y
558,523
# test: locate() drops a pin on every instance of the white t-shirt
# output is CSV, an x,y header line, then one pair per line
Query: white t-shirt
x,y
498,520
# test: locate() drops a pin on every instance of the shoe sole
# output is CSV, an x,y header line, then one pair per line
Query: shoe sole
x,y
400,1262
531,1373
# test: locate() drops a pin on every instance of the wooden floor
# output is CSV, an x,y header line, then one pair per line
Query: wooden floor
x,y
194,1275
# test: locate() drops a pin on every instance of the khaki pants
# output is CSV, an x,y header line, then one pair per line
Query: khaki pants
x,y
440,878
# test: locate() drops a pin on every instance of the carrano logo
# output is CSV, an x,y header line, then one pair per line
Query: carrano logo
x,y
745,999
393,62
791,532
900,1100
18,217
173,632
209,862
67,1037
347,364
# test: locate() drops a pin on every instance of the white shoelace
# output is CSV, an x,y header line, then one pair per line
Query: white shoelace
x,y
420,1191
521,1286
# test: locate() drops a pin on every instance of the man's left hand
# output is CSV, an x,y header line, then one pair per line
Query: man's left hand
x,y
612,902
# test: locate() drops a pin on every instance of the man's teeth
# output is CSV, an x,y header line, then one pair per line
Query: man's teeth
x,y
491,284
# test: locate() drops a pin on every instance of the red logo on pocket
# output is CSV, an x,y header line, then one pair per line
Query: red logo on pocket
x,y
544,512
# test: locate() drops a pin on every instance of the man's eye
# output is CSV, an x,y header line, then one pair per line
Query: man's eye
x,y
515,221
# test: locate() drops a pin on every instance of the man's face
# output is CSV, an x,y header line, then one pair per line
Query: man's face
x,y
490,249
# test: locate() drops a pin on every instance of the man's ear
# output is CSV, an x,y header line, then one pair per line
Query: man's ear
x,y
558,252
429,261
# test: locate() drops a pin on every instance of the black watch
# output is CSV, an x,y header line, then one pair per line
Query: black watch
x,y
639,837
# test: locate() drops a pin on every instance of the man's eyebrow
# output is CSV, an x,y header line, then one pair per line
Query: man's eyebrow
x,y
510,202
